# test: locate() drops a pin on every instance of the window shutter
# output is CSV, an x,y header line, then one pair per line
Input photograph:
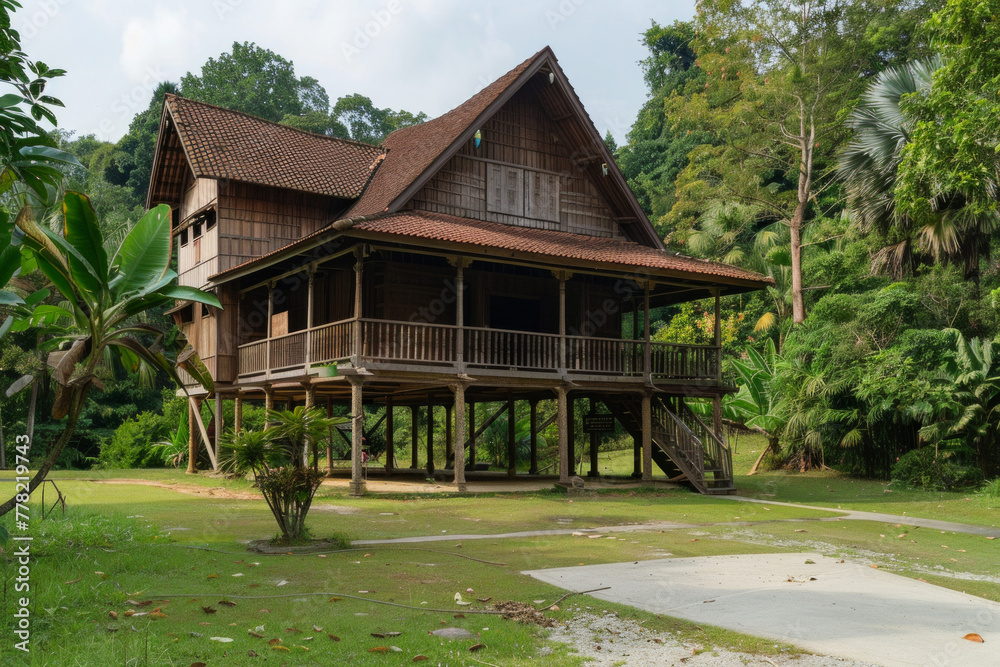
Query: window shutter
x,y
541,200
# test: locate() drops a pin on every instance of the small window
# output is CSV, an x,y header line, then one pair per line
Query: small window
x,y
204,311
209,219
184,237
197,230
186,315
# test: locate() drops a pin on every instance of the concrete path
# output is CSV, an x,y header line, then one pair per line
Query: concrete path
x,y
828,607
951,526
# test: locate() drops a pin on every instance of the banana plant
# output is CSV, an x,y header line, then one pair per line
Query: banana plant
x,y
95,320
755,405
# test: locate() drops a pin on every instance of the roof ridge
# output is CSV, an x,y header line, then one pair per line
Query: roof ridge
x,y
271,122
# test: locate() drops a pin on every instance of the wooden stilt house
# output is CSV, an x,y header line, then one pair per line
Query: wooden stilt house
x,y
493,254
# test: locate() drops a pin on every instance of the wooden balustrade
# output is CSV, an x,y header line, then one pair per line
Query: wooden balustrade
x,y
389,341
511,349
671,428
385,340
330,342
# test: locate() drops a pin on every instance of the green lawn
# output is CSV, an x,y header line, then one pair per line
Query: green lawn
x,y
180,551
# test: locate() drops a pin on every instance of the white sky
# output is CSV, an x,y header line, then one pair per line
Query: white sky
x,y
418,55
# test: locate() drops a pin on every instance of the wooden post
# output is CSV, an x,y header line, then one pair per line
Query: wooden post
x,y
414,421
472,431
270,317
511,443
430,436
571,431
192,436
309,319
459,390
647,437
562,422
594,438
358,273
460,264
238,412
449,453
717,416
562,276
718,340
390,436
636,458
533,420
268,406
357,436
310,402
648,353
329,442
218,429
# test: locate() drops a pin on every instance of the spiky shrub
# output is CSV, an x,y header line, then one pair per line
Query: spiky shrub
x,y
276,457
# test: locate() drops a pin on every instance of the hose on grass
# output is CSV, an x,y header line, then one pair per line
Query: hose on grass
x,y
487,612
339,551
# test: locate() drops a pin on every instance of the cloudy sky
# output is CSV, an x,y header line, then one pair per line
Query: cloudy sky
x,y
418,55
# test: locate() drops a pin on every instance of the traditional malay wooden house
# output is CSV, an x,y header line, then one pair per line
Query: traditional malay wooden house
x,y
492,254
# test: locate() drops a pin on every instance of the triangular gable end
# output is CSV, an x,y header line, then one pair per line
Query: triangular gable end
x,y
565,179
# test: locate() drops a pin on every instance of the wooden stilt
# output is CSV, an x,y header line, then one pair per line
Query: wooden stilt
x,y
390,436
449,452
268,406
192,437
511,437
414,425
647,438
562,419
238,412
430,437
357,436
219,426
533,419
472,429
459,390
594,442
571,432
329,441
310,403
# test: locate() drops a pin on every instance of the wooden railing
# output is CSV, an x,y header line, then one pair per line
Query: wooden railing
x,y
288,351
669,428
417,342
716,451
511,349
385,340
604,355
684,362
330,342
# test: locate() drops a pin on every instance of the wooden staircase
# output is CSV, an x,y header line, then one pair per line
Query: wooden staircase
x,y
683,445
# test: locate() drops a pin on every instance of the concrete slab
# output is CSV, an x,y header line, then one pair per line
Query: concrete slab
x,y
828,607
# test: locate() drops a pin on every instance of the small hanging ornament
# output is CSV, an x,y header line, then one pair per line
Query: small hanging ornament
x,y
478,137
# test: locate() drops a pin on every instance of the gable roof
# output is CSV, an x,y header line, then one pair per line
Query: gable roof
x,y
224,144
418,152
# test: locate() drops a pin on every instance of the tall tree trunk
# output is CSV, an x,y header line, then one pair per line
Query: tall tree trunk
x,y
3,447
76,407
798,308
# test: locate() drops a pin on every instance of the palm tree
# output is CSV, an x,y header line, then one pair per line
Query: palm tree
x,y
954,231
94,324
277,460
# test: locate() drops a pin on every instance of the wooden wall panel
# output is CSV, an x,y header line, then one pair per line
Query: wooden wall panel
x,y
552,191
198,195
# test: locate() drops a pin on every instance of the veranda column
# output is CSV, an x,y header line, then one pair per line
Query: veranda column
x,y
358,273
647,437
310,402
309,319
562,276
270,317
562,425
449,451
472,434
460,263
648,353
329,440
459,391
430,435
268,406
718,340
594,442
193,405
357,436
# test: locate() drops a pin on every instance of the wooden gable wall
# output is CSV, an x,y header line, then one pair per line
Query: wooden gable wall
x,y
520,175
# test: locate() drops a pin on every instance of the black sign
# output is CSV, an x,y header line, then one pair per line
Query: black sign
x,y
598,423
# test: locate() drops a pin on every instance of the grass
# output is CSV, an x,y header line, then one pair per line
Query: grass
x,y
180,551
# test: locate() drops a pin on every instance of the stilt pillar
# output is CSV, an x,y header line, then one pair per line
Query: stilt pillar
x,y
238,412
414,424
268,406
594,443
562,421
329,440
193,404
647,438
511,441
390,436
430,436
357,436
459,391
533,420
219,425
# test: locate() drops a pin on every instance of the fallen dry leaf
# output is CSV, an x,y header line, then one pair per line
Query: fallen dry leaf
x,y
334,638
874,567
252,653
113,615
477,647
209,610
378,635
420,658
73,581
280,648
973,637
274,642
130,612
227,603
293,630
379,649
254,634
484,599
212,576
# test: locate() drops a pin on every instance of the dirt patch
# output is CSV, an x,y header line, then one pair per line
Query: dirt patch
x,y
190,489
523,613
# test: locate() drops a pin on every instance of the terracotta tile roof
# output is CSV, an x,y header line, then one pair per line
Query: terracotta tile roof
x,y
413,149
221,143
551,244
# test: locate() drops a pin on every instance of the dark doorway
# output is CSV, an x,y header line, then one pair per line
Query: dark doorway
x,y
509,312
